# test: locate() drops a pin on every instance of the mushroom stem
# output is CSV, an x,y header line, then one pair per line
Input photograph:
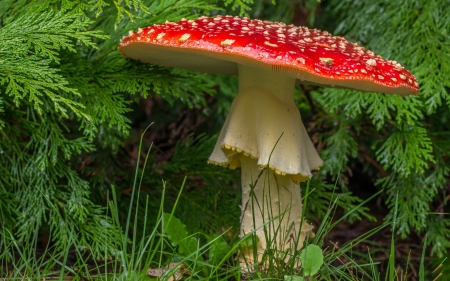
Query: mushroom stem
x,y
264,129
271,205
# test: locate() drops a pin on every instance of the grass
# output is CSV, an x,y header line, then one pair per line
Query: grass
x,y
170,252
173,252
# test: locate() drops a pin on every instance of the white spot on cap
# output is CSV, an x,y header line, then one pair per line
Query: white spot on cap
x,y
160,36
139,31
363,71
245,28
403,77
184,38
371,62
381,77
130,33
270,44
394,79
227,42
301,60
327,61
397,65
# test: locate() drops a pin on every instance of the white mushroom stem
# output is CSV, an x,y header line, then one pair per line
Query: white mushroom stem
x,y
264,128
271,205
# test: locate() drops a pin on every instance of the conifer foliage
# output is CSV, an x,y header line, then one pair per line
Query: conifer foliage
x,y
64,93
407,137
66,99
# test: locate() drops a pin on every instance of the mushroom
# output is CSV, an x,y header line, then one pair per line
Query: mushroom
x,y
264,127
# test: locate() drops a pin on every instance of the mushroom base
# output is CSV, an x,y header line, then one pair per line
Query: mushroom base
x,y
271,209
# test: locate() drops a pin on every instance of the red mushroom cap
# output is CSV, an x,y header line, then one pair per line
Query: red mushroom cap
x,y
310,55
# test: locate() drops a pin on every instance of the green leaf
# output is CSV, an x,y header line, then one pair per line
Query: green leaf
x,y
312,259
189,246
178,236
249,241
174,229
218,250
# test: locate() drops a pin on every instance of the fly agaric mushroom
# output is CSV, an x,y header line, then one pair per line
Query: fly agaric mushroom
x,y
264,127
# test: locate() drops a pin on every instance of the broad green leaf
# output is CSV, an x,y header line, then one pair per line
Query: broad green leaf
x,y
218,250
174,229
312,259
178,236
188,246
